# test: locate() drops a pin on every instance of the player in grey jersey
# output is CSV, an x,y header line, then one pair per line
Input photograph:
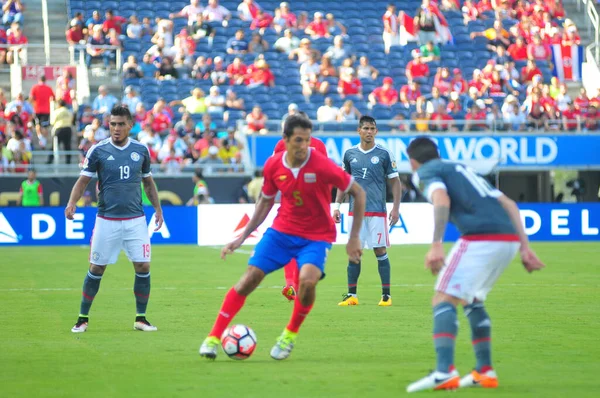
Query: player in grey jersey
x,y
372,166
121,164
491,234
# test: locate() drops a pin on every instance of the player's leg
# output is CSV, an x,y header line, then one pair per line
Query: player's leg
x,y
353,271
311,260
495,257
269,255
136,244
445,325
105,248
379,240
290,272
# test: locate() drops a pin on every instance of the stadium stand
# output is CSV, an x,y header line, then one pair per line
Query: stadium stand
x,y
475,77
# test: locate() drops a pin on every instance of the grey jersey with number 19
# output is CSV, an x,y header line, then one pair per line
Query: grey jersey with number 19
x,y
371,169
474,207
120,172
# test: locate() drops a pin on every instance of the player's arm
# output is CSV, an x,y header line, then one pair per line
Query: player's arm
x,y
20,198
397,196
76,194
354,246
152,194
434,260
41,194
528,257
340,195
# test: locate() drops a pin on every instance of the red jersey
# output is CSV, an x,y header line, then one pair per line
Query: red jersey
x,y
417,70
582,104
571,117
40,95
385,97
528,74
315,143
319,29
305,195
411,95
350,88
517,53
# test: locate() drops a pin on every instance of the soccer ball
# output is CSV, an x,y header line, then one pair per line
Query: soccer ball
x,y
238,342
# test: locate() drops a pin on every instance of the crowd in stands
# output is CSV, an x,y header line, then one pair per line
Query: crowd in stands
x,y
191,70
11,32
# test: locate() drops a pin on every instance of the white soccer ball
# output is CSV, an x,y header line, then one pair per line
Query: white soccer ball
x,y
238,342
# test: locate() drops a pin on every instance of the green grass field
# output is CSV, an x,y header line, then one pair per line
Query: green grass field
x,y
545,336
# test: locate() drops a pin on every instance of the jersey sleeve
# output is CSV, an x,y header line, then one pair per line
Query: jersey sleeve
x,y
336,176
146,164
279,147
90,163
320,146
269,190
346,163
428,181
391,168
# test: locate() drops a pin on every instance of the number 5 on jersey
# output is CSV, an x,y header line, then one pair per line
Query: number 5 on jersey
x,y
298,198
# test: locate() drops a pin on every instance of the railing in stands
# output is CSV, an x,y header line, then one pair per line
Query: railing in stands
x,y
46,31
593,26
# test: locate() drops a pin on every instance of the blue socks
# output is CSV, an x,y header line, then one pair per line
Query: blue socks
x,y
353,274
141,290
91,284
445,328
481,329
383,265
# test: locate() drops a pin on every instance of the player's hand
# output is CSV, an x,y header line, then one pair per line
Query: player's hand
x,y
434,260
231,247
337,217
530,260
354,250
70,211
158,220
394,217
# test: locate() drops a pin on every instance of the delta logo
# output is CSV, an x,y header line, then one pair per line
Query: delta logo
x,y
241,227
7,233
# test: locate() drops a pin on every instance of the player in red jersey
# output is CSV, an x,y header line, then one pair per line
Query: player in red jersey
x,y
303,229
290,271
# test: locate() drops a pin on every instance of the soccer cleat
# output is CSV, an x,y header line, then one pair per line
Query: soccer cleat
x,y
386,300
81,325
348,300
284,345
436,381
488,379
141,323
289,292
210,347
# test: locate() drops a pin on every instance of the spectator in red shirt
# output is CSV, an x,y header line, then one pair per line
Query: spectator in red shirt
x,y
260,74
384,95
416,69
318,27
478,83
454,106
476,117
571,36
441,121
443,81
539,51
113,22
290,19
158,118
16,38
529,71
262,21
469,11
75,33
582,102
349,84
236,72
571,118
458,83
41,95
257,121
484,5
409,94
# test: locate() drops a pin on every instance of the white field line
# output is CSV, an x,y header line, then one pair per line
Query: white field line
x,y
405,285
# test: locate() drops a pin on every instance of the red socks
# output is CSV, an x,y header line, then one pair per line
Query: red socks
x,y
298,316
291,274
232,304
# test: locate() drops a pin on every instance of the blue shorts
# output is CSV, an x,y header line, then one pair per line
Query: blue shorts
x,y
276,249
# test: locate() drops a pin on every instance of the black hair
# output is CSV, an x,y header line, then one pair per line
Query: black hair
x,y
43,78
121,110
422,149
366,119
62,103
198,173
294,121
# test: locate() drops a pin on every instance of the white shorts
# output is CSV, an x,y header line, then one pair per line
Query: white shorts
x,y
374,232
473,267
390,39
110,236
